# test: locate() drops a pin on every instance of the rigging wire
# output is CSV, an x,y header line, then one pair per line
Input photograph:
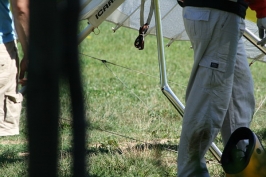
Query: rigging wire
x,y
125,85
105,61
261,103
137,71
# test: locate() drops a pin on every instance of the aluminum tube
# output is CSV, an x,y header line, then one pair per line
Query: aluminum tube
x,y
84,33
254,39
160,45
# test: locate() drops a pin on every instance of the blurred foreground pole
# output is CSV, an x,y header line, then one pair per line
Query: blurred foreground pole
x,y
72,71
53,49
42,88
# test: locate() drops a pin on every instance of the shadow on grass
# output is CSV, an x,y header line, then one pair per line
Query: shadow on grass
x,y
138,147
157,146
9,157
155,161
105,149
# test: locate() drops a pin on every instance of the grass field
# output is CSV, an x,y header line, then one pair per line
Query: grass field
x,y
134,130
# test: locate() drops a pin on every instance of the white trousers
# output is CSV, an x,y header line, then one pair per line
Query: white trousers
x,y
10,99
220,95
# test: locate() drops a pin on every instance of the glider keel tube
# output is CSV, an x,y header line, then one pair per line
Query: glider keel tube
x,y
98,14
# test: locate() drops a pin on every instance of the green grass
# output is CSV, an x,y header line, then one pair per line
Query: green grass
x,y
134,130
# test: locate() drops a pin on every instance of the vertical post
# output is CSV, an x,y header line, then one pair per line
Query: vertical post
x,y
42,88
53,49
160,43
72,73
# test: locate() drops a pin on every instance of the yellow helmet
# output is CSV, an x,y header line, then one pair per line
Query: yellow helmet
x,y
252,163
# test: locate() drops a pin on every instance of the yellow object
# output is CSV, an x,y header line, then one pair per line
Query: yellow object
x,y
252,163
251,15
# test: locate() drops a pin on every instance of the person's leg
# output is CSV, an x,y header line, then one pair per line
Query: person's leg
x,y
210,85
10,99
242,103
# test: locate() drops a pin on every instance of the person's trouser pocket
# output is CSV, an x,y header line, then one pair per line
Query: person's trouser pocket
x,y
13,105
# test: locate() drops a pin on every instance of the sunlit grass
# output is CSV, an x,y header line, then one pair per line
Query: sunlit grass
x,y
133,130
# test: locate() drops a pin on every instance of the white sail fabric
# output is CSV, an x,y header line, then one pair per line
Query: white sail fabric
x,y
126,13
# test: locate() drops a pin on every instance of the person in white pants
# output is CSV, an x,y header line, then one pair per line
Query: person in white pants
x,y
220,93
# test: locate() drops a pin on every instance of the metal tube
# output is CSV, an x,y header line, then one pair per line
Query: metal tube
x,y
84,33
254,39
160,45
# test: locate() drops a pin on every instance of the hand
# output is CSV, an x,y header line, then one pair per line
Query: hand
x,y
261,23
23,68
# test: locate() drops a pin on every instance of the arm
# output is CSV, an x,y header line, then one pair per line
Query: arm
x,y
259,6
20,10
